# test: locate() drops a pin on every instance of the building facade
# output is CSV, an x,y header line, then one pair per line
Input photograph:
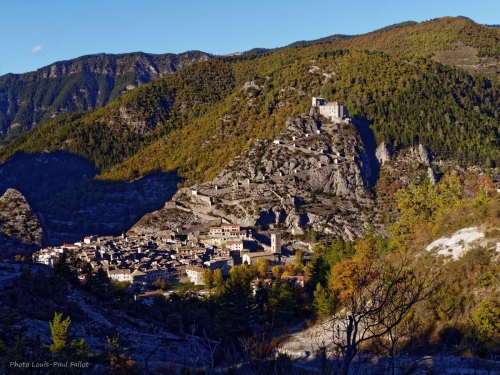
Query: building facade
x,y
276,243
332,109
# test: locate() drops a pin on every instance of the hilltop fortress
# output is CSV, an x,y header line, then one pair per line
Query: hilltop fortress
x,y
330,109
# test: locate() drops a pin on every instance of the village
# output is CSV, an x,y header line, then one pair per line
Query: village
x,y
180,256
143,260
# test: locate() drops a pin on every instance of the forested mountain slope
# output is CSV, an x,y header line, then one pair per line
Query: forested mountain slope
x,y
301,43
196,120
89,82
424,38
81,84
455,41
407,103
111,134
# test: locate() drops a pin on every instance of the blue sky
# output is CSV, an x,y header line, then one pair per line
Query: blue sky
x,y
35,33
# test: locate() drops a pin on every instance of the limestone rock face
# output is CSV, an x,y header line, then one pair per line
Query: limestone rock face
x,y
251,85
432,176
295,220
425,155
314,111
383,153
333,160
20,228
300,126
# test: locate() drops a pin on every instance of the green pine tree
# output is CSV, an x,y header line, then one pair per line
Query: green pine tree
x,y
324,302
236,300
59,330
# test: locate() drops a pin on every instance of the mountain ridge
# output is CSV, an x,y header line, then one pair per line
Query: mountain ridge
x,y
84,83
28,99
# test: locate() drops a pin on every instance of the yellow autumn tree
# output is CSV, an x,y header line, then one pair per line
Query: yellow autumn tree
x,y
350,274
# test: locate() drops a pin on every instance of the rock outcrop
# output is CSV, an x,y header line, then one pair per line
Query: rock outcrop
x,y
314,175
422,154
20,228
432,176
383,153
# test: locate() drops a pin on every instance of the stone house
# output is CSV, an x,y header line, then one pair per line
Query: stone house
x,y
252,258
122,274
195,274
224,264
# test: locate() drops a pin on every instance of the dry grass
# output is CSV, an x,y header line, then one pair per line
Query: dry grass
x,y
465,57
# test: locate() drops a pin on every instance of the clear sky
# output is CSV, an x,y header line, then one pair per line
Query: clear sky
x,y
35,33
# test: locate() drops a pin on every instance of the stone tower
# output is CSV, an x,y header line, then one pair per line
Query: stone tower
x,y
276,243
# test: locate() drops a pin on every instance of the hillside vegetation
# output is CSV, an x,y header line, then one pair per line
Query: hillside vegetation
x,y
111,134
425,38
460,316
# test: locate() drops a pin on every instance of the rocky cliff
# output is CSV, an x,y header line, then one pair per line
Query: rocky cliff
x,y
20,229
